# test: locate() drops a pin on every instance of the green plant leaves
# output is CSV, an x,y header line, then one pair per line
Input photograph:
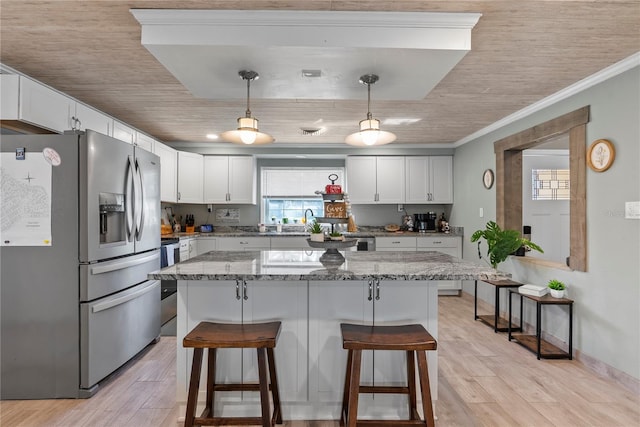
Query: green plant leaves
x,y
501,243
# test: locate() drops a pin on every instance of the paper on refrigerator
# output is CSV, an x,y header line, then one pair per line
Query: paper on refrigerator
x,y
25,200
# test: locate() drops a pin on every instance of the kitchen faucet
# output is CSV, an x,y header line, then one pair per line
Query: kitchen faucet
x,y
305,215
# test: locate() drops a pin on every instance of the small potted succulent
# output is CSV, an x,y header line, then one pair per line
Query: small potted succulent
x,y
317,233
556,287
336,235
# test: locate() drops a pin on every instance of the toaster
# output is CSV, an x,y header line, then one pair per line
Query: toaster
x,y
206,228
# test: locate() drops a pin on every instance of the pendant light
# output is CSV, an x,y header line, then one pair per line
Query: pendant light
x,y
370,133
247,132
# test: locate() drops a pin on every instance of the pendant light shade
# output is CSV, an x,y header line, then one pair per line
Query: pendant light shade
x,y
247,132
370,133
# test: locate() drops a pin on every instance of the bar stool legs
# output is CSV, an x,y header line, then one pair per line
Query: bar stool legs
x,y
212,336
415,341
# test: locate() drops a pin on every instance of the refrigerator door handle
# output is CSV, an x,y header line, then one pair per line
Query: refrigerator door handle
x,y
129,206
121,300
139,201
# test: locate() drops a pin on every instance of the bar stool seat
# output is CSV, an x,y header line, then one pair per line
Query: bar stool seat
x,y
415,340
212,336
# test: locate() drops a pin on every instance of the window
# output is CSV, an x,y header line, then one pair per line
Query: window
x,y
550,184
288,192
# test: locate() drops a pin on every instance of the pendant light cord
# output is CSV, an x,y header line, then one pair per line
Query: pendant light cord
x,y
369,116
248,112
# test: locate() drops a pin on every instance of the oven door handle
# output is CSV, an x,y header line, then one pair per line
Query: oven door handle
x,y
121,300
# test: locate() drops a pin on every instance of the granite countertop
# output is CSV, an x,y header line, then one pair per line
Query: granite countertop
x,y
372,232
306,265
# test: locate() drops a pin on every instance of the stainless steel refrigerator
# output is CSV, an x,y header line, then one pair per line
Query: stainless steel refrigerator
x,y
80,232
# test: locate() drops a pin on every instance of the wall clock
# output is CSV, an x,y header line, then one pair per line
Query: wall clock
x,y
600,155
487,179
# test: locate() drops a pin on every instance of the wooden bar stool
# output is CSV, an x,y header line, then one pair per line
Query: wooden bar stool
x,y
212,336
415,340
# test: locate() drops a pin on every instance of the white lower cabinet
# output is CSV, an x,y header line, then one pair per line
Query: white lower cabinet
x,y
290,243
450,245
369,303
187,249
206,244
395,243
243,243
252,302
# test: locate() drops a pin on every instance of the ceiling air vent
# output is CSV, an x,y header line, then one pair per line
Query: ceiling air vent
x,y
310,131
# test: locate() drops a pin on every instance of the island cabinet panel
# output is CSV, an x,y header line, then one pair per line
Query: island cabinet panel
x,y
371,302
231,301
330,304
285,301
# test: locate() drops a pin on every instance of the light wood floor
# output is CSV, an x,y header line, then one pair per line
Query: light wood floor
x,y
484,381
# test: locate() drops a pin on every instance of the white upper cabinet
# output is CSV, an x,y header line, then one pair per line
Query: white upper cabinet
x,y
144,141
168,172
375,180
124,132
9,96
44,107
190,177
90,118
429,179
230,179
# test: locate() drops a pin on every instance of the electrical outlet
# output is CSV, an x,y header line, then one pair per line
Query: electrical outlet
x,y
400,208
209,208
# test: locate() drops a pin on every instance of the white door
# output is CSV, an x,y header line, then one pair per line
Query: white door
x,y
441,178
284,301
168,172
216,179
332,303
417,179
190,179
242,179
93,119
216,301
390,179
398,303
361,180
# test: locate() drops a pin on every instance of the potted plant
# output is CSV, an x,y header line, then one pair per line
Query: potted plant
x,y
556,288
501,243
335,235
317,233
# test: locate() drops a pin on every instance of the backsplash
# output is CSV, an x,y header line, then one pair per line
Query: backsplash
x,y
366,216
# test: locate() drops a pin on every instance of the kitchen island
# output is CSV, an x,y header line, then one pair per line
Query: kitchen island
x,y
311,300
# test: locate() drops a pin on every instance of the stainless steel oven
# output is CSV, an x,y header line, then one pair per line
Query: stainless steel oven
x,y
170,249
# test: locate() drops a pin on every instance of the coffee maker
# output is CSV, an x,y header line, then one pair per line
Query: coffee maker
x,y
425,222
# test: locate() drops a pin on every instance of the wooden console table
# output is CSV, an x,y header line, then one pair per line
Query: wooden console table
x,y
542,349
494,320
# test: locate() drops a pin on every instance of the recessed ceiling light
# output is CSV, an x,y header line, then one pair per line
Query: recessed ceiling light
x,y
212,136
399,121
311,73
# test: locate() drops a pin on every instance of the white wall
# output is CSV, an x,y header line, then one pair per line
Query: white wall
x,y
607,296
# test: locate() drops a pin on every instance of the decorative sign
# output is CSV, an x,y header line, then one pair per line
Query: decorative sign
x,y
228,215
335,210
